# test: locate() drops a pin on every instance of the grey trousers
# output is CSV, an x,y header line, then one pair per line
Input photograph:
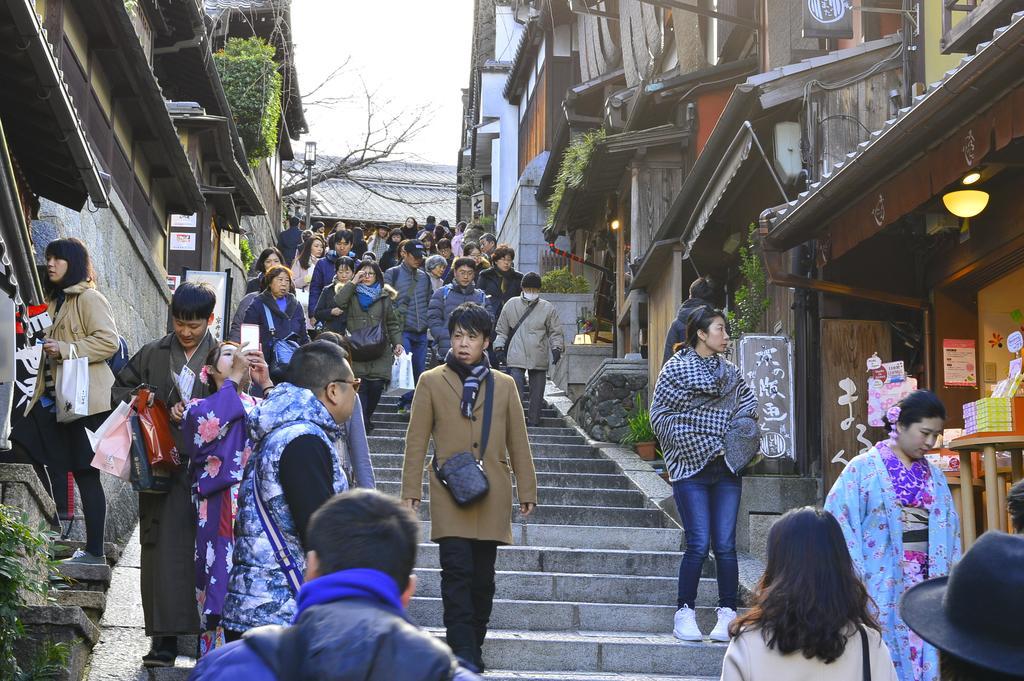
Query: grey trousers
x,y
538,377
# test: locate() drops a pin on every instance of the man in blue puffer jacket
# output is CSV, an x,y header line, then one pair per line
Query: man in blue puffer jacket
x,y
350,623
450,296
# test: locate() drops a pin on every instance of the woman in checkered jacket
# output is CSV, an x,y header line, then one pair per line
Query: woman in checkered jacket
x,y
704,415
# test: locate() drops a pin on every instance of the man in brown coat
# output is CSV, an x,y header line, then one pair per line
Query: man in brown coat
x,y
449,406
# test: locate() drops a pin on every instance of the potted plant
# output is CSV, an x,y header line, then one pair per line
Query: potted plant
x,y
641,434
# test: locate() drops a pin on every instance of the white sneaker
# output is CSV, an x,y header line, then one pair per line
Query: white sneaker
x,y
721,630
685,628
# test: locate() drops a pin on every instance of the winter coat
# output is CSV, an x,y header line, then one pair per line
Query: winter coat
x,y
391,258
677,331
86,321
291,321
490,281
695,402
414,291
357,318
442,304
864,502
235,332
302,277
289,242
324,307
323,276
252,285
436,412
537,336
377,246
258,591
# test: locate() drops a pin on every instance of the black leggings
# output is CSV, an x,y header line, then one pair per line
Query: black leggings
x,y
94,508
372,389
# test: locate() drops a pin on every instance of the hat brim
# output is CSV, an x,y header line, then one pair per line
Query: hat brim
x,y
922,610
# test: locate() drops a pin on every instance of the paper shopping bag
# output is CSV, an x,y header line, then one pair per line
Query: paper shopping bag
x,y
144,477
401,373
155,425
112,444
73,388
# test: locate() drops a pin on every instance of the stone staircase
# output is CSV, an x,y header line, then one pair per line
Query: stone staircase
x,y
588,591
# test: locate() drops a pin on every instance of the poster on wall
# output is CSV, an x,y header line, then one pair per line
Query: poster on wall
x,y
221,283
182,241
959,364
766,363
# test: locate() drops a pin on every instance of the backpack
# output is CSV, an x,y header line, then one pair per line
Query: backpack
x,y
120,357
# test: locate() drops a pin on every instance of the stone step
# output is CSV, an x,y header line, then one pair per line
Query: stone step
x,y
544,479
85,577
65,548
569,616
504,675
589,537
399,429
555,495
389,405
381,460
93,603
584,515
586,561
593,652
579,587
380,417
387,445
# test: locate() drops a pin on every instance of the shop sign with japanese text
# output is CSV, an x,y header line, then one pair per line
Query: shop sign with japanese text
x,y
766,363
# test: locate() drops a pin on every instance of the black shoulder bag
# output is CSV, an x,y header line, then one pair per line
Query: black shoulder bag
x,y
865,654
463,474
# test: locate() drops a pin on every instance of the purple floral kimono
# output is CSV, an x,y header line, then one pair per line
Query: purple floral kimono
x,y
217,447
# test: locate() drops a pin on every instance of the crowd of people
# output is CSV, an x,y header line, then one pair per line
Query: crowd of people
x,y
261,545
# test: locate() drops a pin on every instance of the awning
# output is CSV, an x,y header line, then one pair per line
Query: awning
x,y
19,278
41,122
939,122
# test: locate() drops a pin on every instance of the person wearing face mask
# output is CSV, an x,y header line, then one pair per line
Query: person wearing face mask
x,y
703,414
900,523
528,333
217,447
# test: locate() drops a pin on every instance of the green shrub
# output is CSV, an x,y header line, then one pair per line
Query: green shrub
x,y
639,422
253,88
23,551
572,169
246,251
752,295
560,280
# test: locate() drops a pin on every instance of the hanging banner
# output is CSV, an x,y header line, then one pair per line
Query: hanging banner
x,y
959,364
766,363
827,19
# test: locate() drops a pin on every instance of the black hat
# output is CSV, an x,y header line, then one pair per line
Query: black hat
x,y
414,247
974,613
531,280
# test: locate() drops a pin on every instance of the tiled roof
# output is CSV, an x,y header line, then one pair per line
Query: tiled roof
x,y
223,5
388,192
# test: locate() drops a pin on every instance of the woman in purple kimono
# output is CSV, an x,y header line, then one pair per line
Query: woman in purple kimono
x,y
217,447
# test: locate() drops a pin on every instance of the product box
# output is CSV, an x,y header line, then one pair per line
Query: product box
x,y
989,415
946,461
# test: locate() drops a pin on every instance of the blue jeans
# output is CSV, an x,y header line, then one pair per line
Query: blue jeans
x,y
708,504
415,344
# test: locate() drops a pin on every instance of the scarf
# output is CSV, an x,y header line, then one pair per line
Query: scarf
x,y
363,584
472,377
367,294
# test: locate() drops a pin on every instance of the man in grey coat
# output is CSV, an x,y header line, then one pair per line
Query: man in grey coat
x,y
528,330
449,297
414,291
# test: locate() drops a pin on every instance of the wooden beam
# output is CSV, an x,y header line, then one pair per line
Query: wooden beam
x,y
710,13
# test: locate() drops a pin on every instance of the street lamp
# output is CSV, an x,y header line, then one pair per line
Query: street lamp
x,y
310,161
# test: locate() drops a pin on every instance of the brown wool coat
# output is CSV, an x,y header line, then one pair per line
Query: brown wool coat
x,y
435,412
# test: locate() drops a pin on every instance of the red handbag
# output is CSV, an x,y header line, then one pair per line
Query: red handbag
x,y
155,426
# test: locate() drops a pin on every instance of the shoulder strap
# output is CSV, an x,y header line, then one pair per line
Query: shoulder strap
x,y
483,297
277,542
865,654
488,408
447,289
530,308
270,320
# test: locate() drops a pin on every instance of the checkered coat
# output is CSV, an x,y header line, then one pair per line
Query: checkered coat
x,y
695,401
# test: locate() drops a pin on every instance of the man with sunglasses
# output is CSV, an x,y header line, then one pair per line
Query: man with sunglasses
x,y
292,471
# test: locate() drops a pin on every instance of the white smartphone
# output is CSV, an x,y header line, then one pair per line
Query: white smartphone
x,y
250,336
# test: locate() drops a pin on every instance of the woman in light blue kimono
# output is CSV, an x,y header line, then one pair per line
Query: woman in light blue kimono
x,y
900,523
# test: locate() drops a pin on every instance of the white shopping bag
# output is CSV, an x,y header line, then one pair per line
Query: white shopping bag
x,y
112,443
302,295
401,373
73,388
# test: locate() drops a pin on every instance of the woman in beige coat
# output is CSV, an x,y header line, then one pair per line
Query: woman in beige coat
x,y
810,619
449,405
82,320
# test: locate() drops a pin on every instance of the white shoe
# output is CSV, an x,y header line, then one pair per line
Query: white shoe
x,y
685,628
721,630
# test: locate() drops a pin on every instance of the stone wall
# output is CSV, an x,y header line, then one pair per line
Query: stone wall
x,y
609,398
523,227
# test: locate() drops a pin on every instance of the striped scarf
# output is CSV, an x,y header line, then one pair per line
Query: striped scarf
x,y
472,377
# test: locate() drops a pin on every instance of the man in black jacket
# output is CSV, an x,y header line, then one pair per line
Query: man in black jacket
x,y
351,621
701,293
290,239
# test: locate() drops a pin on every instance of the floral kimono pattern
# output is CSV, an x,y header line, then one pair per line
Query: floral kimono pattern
x,y
217,446
869,507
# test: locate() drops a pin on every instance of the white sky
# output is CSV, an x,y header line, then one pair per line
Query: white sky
x,y
410,51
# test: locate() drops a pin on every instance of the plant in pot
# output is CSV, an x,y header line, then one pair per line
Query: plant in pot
x,y
641,434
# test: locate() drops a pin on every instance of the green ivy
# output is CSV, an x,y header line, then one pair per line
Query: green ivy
x,y
24,569
560,280
571,170
246,252
752,295
253,88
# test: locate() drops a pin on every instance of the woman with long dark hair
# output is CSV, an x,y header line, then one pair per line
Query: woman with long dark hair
x,y
411,228
811,616
83,324
900,523
269,257
305,262
392,257
704,415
